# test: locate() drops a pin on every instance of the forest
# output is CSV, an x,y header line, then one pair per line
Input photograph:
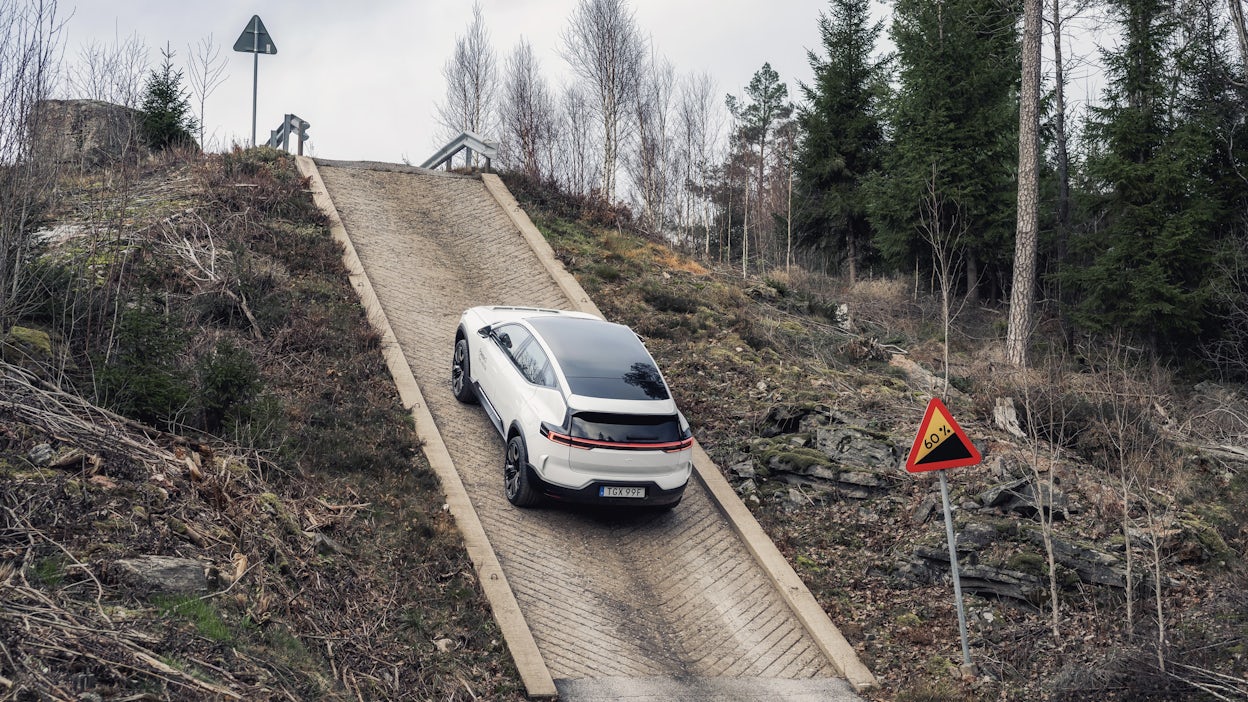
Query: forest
x,y
942,131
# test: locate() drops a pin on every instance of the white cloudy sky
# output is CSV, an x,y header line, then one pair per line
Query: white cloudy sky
x,y
367,75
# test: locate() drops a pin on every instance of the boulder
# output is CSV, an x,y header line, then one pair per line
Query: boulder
x,y
85,132
166,574
1025,497
855,447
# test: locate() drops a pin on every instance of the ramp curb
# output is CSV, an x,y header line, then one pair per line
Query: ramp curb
x,y
782,576
534,674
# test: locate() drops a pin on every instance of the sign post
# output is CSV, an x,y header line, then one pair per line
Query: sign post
x,y
941,444
255,40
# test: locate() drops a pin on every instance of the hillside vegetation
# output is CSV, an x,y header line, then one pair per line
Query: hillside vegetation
x,y
210,488
193,378
1100,540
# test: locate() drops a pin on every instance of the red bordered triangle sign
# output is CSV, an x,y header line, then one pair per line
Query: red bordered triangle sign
x,y
941,443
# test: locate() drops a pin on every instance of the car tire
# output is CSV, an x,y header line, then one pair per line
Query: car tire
x,y
461,381
517,484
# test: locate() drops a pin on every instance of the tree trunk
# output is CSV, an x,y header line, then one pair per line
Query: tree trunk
x,y
1241,30
1022,296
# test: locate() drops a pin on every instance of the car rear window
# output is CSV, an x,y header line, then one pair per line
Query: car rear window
x,y
601,359
626,428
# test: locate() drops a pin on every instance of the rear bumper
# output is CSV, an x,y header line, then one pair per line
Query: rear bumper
x,y
589,495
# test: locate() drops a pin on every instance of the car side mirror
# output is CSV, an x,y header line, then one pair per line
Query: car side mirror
x,y
484,332
504,340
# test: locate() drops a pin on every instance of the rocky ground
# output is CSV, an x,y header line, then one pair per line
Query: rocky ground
x,y
809,392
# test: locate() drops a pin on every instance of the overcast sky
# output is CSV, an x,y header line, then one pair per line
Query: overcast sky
x,y
367,75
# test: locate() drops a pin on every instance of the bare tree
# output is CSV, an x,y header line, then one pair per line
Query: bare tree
x,y
650,163
700,122
1240,27
115,72
30,34
944,232
471,81
1026,236
578,158
606,50
205,74
526,113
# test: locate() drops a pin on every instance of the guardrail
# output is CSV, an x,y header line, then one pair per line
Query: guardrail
x,y
280,137
466,141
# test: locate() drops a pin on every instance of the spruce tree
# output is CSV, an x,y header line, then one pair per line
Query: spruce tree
x,y
1164,169
954,122
166,114
841,136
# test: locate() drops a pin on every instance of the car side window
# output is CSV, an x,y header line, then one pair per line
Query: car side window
x,y
528,355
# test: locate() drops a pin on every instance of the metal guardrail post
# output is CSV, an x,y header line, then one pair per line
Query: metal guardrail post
x,y
466,141
280,137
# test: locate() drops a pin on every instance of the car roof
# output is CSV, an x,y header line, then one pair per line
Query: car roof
x,y
601,359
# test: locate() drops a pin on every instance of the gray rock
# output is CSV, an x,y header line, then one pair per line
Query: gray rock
x,y
743,470
1026,498
165,574
85,132
923,511
855,447
977,536
1091,564
40,454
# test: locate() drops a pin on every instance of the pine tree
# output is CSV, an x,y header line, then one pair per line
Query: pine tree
x,y
841,135
757,123
954,125
167,119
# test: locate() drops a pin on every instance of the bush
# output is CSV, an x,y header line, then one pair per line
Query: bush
x,y
141,378
228,385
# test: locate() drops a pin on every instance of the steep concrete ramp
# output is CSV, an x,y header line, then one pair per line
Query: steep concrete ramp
x,y
662,605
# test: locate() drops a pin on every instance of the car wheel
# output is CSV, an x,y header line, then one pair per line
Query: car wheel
x,y
516,482
460,384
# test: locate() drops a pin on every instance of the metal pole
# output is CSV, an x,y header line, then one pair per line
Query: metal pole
x,y
255,75
957,579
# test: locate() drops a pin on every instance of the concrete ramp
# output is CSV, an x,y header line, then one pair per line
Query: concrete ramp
x,y
688,604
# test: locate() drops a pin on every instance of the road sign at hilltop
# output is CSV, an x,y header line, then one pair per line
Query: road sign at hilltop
x,y
255,38
940,443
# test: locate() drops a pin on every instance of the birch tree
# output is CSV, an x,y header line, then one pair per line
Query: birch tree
x,y
30,35
205,73
650,163
698,123
605,49
526,113
471,81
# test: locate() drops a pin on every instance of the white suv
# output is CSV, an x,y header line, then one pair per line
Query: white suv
x,y
586,415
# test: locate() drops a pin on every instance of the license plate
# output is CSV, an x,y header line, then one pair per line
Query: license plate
x,y
615,491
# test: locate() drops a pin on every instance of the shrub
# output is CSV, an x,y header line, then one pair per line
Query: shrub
x,y
142,378
228,385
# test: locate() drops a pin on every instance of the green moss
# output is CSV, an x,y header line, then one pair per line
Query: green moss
x,y
271,503
909,619
1031,563
782,454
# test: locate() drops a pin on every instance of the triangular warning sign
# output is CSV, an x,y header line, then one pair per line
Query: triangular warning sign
x,y
940,443
255,38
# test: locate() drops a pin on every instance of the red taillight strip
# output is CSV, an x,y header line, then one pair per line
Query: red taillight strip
x,y
666,446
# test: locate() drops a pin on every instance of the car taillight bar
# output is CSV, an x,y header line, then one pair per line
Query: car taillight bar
x,y
574,442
